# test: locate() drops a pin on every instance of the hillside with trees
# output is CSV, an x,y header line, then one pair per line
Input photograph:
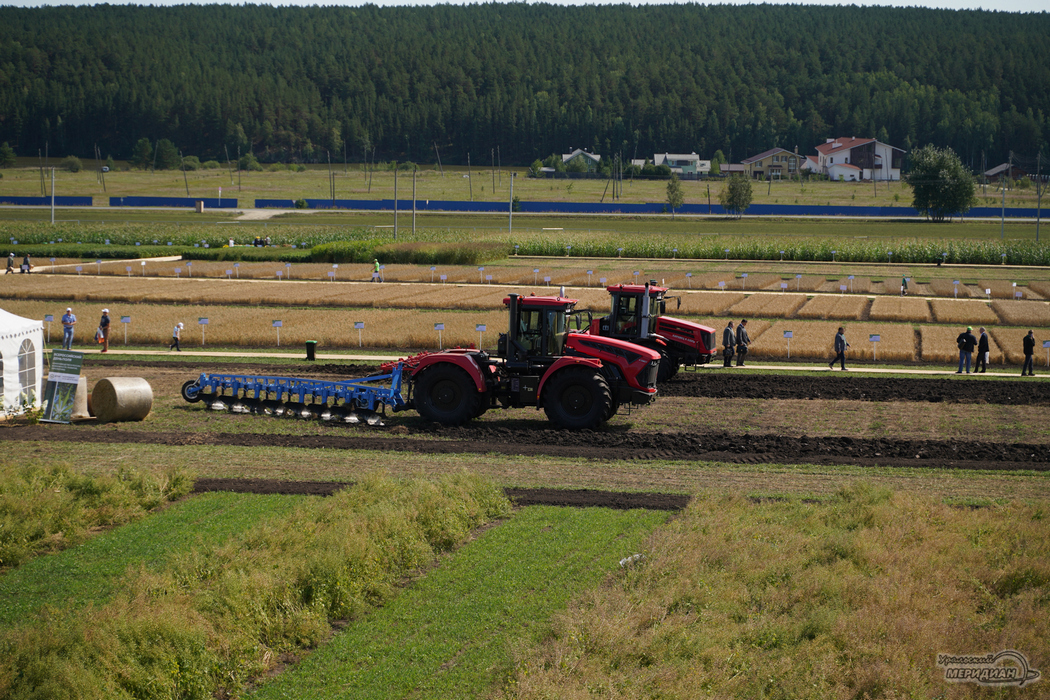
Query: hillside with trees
x,y
305,84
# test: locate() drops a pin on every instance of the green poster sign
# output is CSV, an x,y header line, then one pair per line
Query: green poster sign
x,y
61,390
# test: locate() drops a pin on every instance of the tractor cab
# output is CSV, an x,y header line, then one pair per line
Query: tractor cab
x,y
538,327
636,309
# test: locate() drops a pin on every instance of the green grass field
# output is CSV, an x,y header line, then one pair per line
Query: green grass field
x,y
483,184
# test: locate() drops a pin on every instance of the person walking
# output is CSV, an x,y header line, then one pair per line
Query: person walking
x,y
26,265
68,323
966,343
982,353
742,341
840,349
728,343
176,335
375,271
103,327
904,286
10,264
1029,354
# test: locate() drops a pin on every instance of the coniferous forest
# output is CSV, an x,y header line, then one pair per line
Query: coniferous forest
x,y
293,83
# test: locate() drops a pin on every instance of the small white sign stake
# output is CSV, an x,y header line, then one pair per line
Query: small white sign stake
x,y
439,327
277,324
874,346
359,325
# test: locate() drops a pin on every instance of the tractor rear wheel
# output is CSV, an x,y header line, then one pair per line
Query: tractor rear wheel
x,y
577,398
446,394
668,367
192,397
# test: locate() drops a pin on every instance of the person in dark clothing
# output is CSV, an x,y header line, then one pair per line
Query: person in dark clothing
x,y
10,264
26,266
966,343
742,341
1029,354
729,342
981,364
904,286
840,349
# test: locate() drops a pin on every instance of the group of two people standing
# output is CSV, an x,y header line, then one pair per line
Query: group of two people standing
x,y
738,340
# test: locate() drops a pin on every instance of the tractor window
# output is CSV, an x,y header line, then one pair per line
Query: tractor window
x,y
626,314
558,331
530,330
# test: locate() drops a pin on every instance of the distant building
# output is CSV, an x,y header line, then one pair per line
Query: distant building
x,y
774,164
1015,173
872,159
589,159
683,163
732,169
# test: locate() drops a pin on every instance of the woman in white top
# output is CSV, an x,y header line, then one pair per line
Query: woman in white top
x,y
176,333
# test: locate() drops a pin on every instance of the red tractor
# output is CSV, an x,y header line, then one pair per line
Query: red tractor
x,y
638,317
579,379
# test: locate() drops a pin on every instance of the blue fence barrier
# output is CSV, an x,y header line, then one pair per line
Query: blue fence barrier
x,y
46,201
624,208
209,202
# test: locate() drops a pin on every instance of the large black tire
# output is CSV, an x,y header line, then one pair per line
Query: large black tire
x,y
191,398
446,394
577,398
668,367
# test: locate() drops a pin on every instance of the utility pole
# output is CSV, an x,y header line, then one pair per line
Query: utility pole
x,y
438,156
186,180
510,212
52,201
470,180
1040,187
414,203
395,200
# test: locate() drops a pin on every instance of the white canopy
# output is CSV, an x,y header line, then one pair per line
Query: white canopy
x,y
21,361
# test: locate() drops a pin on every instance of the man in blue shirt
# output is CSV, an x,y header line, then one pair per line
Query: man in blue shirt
x,y
68,322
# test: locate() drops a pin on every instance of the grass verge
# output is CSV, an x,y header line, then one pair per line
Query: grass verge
x,y
219,616
451,634
849,598
46,509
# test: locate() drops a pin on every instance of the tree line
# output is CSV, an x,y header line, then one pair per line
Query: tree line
x,y
517,82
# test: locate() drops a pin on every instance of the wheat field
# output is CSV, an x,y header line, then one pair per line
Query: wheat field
x,y
816,340
962,312
900,309
939,344
842,306
1023,313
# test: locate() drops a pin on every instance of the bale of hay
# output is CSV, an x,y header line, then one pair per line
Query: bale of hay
x,y
121,399
80,401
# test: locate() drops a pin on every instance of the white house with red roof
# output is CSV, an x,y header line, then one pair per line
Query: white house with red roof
x,y
867,159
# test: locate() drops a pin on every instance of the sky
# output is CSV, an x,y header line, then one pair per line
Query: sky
x,y
999,5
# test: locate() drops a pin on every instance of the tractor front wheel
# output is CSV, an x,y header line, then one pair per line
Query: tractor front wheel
x,y
577,398
446,395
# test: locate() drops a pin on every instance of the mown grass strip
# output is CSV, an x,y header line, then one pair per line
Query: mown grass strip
x,y
453,632
86,575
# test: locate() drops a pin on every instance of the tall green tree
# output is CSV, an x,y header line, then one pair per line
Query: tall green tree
x,y
142,154
167,156
7,156
675,195
941,186
735,197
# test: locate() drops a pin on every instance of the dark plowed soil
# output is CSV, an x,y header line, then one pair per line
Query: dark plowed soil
x,y
607,445
731,384
523,497
962,389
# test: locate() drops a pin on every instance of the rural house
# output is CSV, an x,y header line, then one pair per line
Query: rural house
x,y
589,160
688,164
774,164
867,159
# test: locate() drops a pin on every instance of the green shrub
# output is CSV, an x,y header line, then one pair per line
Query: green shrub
x,y
71,164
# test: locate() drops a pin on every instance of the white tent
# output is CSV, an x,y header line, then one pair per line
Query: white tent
x,y
21,361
